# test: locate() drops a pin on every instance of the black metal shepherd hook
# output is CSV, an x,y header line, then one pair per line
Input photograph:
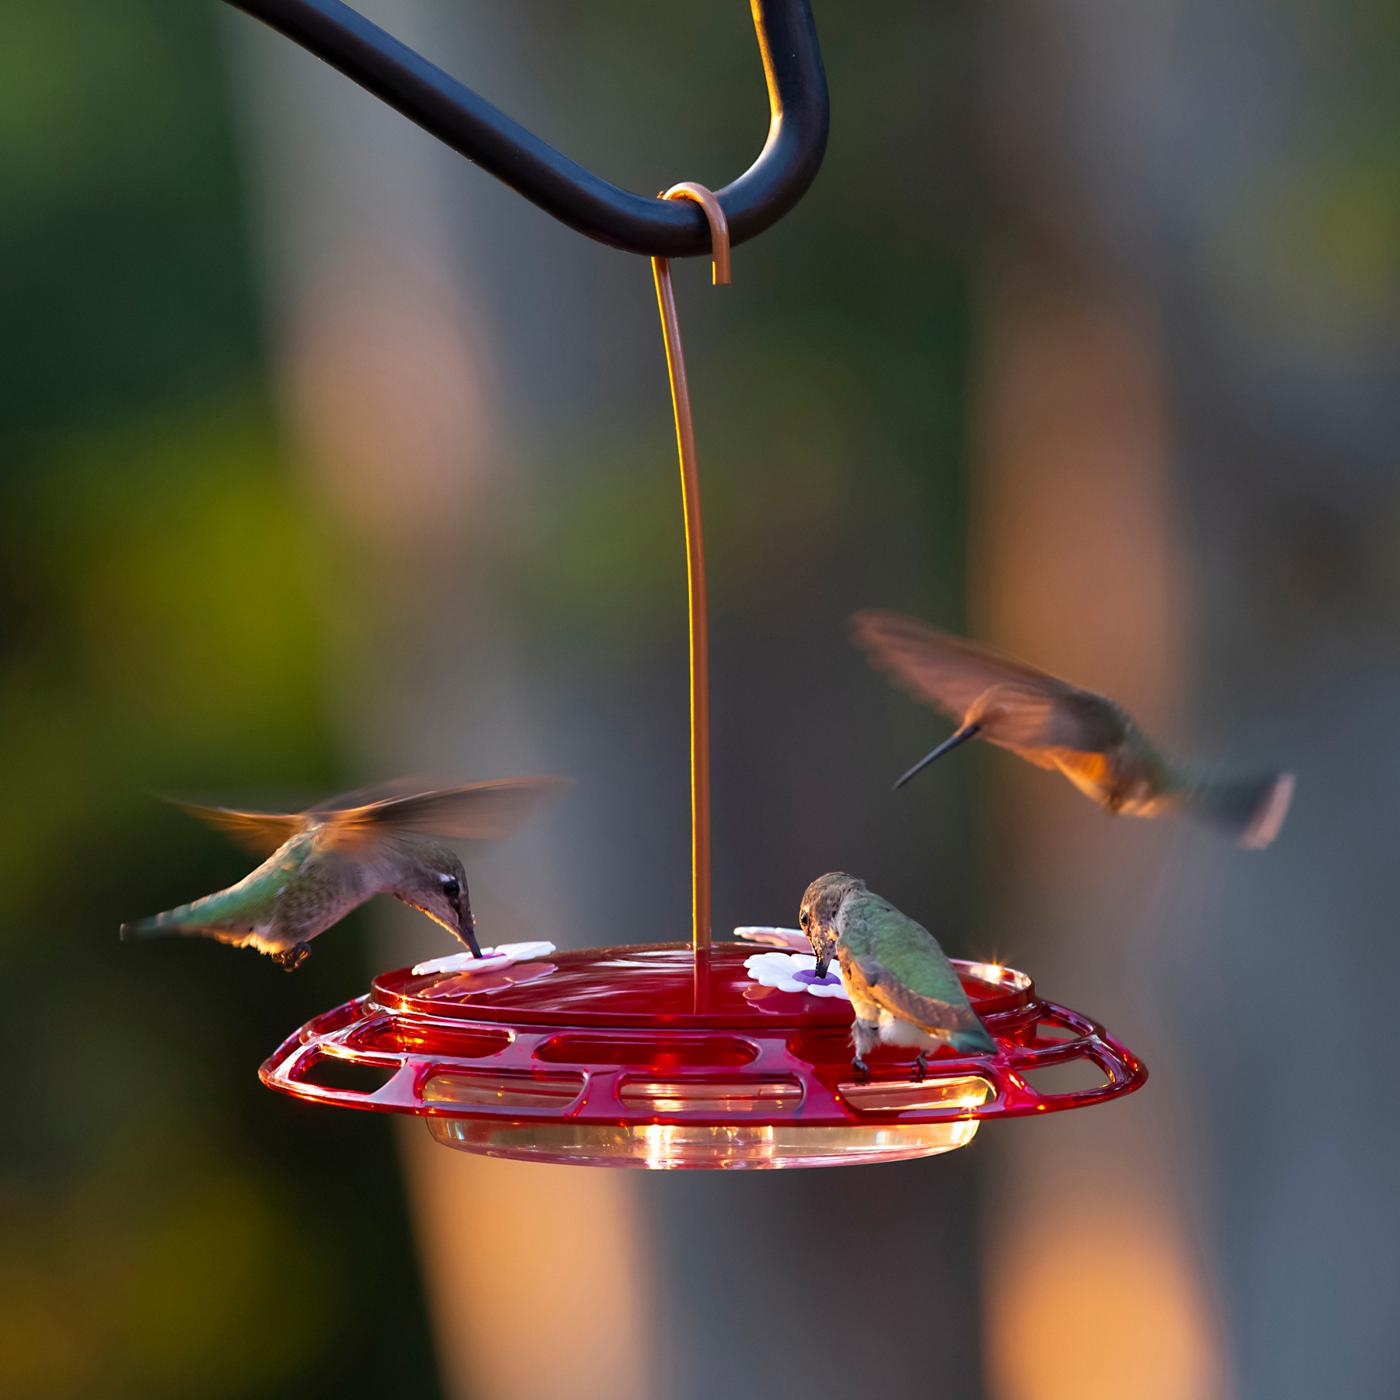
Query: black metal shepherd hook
x,y
782,174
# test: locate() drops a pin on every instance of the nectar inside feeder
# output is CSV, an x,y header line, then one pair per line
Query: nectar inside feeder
x,y
668,1054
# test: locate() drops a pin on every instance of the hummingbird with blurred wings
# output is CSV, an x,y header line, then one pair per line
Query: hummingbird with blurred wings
x,y
331,858
904,990
1091,739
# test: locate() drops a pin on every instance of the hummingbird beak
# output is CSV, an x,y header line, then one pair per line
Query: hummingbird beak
x,y
824,957
968,731
466,924
469,933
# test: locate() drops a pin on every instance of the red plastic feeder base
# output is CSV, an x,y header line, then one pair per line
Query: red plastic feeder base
x,y
641,1056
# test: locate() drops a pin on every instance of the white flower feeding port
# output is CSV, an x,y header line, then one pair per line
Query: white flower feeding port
x,y
793,972
466,964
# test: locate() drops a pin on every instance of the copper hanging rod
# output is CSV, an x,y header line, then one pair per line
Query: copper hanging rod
x,y
697,595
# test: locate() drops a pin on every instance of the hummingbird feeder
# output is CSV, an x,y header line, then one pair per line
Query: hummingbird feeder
x,y
669,1054
659,1055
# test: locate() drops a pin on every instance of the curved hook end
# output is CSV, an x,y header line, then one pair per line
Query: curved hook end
x,y
719,226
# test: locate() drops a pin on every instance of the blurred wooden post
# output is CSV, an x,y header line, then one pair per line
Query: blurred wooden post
x,y
1076,568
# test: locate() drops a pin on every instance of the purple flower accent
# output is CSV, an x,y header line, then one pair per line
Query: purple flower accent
x,y
810,976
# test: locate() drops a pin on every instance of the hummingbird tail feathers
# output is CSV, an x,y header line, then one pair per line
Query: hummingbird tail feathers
x,y
138,929
1253,810
974,1040
174,921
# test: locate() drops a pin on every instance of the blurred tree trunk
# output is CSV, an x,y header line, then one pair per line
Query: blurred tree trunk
x,y
1077,569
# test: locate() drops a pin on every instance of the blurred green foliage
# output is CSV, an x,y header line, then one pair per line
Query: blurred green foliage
x,y
167,1228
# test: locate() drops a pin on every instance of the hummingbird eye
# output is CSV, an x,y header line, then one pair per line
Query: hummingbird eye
x,y
451,886
804,918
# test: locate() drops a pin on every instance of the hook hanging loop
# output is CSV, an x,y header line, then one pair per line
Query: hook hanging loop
x,y
697,593
719,226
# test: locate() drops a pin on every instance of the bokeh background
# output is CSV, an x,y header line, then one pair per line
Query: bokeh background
x,y
323,457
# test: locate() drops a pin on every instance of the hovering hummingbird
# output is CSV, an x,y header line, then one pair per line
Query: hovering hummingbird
x,y
1092,740
331,858
905,992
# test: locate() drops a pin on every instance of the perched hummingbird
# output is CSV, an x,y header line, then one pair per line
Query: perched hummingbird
x,y
331,858
1092,740
904,990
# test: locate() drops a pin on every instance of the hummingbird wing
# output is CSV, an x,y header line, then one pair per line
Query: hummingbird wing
x,y
901,968
489,811
377,792
946,672
1037,712
259,832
